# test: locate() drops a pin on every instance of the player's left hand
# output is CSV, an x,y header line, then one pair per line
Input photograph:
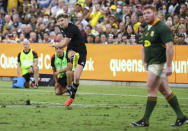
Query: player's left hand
x,y
168,71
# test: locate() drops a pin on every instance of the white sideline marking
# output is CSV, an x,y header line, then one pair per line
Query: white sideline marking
x,y
60,105
79,93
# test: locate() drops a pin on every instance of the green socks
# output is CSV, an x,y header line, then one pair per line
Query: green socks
x,y
173,101
151,102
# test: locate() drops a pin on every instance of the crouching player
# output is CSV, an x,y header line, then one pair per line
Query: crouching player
x,y
62,76
28,64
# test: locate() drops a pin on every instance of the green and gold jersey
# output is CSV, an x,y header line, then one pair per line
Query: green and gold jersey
x,y
153,39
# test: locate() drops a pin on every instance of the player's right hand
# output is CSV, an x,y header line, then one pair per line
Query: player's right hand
x,y
168,71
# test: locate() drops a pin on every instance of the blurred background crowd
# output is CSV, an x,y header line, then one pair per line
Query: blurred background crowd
x,y
100,21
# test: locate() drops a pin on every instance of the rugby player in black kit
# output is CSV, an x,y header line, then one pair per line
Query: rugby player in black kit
x,y
76,50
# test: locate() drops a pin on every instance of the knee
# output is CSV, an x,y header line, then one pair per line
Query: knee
x,y
77,79
26,84
71,53
68,73
35,68
165,93
58,92
149,85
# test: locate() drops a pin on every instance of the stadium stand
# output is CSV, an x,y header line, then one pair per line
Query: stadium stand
x,y
101,21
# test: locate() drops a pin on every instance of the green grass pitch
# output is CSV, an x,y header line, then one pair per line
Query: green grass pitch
x,y
96,108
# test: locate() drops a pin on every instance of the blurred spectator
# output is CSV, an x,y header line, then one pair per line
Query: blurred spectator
x,y
119,13
103,39
21,38
52,36
12,4
33,22
97,39
119,39
135,23
157,4
108,29
81,20
86,13
132,40
124,40
59,37
176,41
183,9
44,3
1,23
28,30
112,21
169,23
94,16
55,7
174,7
45,38
99,29
120,20
182,21
8,22
9,38
121,28
182,30
127,20
181,39
129,31
16,21
80,26
90,38
77,9
176,21
46,19
88,29
33,37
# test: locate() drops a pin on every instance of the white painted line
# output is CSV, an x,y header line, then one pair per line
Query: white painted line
x,y
35,91
61,105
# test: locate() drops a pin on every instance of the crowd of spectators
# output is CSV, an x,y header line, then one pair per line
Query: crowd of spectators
x,y
100,21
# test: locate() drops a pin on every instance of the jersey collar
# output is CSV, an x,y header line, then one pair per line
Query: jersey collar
x,y
155,22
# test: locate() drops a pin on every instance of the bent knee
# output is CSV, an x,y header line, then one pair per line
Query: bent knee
x,y
35,68
26,85
71,53
58,92
68,73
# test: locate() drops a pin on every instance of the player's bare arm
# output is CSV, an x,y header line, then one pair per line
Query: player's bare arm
x,y
62,44
169,57
143,58
18,69
55,76
61,71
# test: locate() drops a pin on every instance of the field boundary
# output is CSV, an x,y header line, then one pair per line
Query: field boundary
x,y
115,83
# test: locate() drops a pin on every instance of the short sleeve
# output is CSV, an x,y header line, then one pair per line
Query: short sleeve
x,y
19,57
53,60
35,54
166,34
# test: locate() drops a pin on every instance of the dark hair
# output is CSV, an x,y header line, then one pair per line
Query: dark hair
x,y
63,16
